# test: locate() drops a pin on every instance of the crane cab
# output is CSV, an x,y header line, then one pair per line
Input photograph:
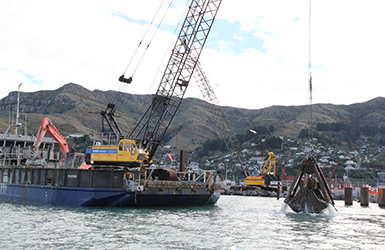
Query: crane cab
x,y
128,152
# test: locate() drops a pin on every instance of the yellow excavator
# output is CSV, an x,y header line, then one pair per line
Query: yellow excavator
x,y
265,177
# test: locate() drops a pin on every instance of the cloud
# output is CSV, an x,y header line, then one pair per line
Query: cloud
x,y
46,44
346,52
238,38
62,42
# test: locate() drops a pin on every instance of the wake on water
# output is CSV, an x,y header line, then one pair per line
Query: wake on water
x,y
329,211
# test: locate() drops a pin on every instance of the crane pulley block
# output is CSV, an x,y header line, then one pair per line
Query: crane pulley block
x,y
126,80
181,82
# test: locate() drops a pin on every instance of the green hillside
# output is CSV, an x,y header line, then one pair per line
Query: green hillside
x,y
68,106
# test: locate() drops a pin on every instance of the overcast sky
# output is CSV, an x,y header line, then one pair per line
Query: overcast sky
x,y
256,56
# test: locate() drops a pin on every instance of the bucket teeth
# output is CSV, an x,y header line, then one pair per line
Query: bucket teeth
x,y
309,192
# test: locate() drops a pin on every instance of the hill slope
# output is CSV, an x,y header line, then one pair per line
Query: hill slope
x,y
68,106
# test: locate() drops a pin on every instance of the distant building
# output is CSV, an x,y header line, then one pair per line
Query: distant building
x,y
75,136
193,166
349,167
258,159
324,159
381,175
350,162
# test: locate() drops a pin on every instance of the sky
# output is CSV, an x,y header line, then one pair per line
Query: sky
x,y
257,54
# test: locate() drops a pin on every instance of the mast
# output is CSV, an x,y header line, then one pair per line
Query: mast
x,y
17,109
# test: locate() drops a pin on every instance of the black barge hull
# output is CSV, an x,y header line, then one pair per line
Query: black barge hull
x,y
114,188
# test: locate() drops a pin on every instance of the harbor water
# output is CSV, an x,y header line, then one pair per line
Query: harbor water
x,y
235,222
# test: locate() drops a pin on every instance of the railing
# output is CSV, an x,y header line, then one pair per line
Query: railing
x,y
105,138
18,156
342,184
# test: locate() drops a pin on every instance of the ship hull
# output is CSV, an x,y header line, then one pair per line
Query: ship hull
x,y
76,187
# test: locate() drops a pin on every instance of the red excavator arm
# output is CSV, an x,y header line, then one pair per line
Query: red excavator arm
x,y
46,125
284,168
331,173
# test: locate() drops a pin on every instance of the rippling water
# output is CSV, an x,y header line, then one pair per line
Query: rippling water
x,y
236,222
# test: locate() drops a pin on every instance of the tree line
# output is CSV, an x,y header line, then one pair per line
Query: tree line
x,y
337,132
262,141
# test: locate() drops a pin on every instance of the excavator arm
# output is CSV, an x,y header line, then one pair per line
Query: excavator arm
x,y
47,126
332,172
285,167
271,161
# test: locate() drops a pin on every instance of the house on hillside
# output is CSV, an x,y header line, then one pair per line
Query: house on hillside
x,y
193,166
324,159
350,165
350,162
381,175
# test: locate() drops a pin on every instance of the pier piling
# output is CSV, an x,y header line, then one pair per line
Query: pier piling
x,y
364,196
279,186
348,196
182,164
381,197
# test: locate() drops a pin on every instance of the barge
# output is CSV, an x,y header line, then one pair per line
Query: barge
x,y
44,181
120,172
106,187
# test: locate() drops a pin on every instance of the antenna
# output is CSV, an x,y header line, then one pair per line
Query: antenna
x,y
17,109
25,125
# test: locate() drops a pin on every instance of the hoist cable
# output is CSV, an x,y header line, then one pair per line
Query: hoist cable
x,y
169,44
310,86
145,33
148,45
122,87
166,51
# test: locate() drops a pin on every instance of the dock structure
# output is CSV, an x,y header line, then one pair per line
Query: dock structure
x,y
348,196
364,196
381,197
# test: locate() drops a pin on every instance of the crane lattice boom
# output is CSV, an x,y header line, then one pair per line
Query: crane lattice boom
x,y
221,122
185,55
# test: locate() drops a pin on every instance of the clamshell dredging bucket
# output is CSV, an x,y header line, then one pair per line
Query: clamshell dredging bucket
x,y
309,192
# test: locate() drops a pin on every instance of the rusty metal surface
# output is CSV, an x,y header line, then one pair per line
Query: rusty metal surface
x,y
166,174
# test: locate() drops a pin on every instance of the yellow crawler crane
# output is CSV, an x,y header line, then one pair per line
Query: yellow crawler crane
x,y
267,176
128,152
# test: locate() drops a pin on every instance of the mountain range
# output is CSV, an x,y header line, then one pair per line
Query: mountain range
x,y
72,109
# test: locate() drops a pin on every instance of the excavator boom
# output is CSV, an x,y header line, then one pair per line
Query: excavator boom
x,y
284,168
47,126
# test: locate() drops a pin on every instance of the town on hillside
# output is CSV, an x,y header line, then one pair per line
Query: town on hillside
x,y
340,167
